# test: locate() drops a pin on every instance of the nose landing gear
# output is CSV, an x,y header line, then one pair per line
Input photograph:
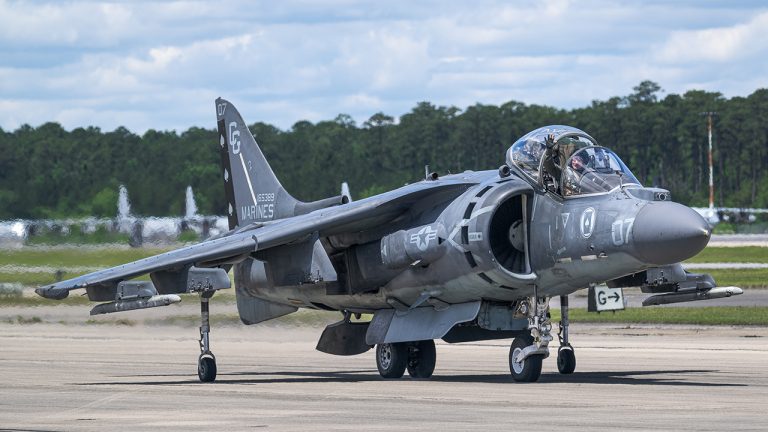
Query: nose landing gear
x,y
566,358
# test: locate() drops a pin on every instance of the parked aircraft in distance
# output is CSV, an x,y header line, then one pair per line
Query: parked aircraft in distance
x,y
715,215
140,228
153,229
464,257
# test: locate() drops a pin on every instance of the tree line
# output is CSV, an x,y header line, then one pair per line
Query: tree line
x,y
48,172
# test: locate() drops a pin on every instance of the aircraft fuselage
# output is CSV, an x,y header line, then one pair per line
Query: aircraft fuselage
x,y
465,248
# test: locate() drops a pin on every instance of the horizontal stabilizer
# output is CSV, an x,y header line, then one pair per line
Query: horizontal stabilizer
x,y
692,295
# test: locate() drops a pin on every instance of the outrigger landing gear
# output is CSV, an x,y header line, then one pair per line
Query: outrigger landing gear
x,y
566,359
528,351
206,363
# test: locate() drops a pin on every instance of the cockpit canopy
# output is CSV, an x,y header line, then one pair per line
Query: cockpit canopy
x,y
567,161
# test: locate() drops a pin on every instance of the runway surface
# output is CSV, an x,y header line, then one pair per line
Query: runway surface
x,y
103,377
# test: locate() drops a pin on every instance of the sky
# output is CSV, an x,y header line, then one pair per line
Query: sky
x,y
160,65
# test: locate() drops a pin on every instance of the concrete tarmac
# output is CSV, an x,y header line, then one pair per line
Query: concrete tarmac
x,y
118,378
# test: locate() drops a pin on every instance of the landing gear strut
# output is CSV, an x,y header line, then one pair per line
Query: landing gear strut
x,y
528,351
206,363
566,359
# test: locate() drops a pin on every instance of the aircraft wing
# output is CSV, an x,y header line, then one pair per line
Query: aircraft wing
x,y
237,245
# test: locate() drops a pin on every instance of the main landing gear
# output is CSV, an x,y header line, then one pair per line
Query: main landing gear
x,y
393,359
206,363
528,351
526,354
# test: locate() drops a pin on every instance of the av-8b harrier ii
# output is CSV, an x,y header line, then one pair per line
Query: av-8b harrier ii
x,y
463,257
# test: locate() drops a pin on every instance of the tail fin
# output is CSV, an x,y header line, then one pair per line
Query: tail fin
x,y
254,194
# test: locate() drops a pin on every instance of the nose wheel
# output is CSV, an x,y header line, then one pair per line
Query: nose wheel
x,y
206,363
566,360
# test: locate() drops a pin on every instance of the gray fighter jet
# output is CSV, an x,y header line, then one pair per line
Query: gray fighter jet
x,y
464,257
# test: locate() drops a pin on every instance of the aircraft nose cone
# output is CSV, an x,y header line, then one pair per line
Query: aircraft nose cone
x,y
667,233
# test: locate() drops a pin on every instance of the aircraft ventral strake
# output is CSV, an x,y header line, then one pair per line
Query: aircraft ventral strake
x,y
463,257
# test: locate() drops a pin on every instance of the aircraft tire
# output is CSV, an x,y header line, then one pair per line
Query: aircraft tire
x,y
206,369
530,369
566,360
421,358
391,359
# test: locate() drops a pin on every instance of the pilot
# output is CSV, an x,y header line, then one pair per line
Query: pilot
x,y
577,166
578,163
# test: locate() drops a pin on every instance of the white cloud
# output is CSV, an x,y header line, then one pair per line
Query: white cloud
x,y
721,44
160,64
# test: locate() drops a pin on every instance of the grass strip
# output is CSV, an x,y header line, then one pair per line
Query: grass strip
x,y
75,256
745,254
743,278
713,315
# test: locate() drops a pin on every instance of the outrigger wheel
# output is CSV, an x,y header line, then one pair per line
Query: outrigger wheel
x,y
206,367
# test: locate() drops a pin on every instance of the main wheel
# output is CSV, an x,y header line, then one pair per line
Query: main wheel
x,y
566,360
529,369
391,359
421,359
206,369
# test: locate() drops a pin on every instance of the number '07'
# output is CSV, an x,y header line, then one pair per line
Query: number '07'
x,y
620,231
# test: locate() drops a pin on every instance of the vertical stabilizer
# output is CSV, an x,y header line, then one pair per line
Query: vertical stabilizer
x,y
254,194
